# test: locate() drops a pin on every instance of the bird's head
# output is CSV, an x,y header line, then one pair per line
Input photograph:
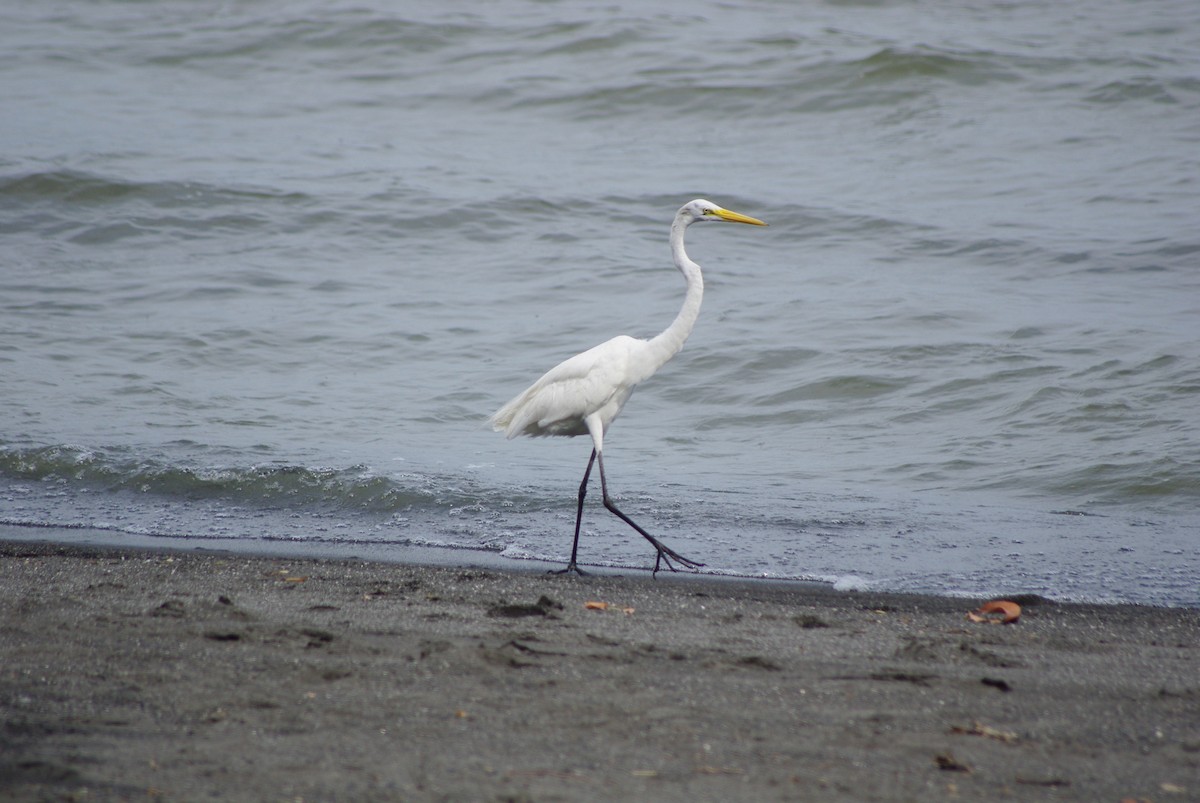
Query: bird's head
x,y
702,210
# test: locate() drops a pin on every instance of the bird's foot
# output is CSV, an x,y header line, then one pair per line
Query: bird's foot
x,y
571,567
666,555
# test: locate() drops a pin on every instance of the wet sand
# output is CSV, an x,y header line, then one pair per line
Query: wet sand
x,y
134,675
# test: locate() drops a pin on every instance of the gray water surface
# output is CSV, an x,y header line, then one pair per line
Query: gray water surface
x,y
267,268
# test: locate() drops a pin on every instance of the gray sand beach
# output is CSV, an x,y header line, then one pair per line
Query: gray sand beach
x,y
151,674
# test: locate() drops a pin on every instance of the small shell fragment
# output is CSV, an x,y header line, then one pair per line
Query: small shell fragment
x,y
979,729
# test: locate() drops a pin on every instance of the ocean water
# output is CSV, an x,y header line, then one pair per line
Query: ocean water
x,y
267,268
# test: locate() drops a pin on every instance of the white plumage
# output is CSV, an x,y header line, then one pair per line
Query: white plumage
x,y
598,380
583,394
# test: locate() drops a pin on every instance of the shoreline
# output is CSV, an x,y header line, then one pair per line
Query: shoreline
x,y
184,674
90,537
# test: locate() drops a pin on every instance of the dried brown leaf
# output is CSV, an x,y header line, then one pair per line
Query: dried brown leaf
x,y
997,611
948,763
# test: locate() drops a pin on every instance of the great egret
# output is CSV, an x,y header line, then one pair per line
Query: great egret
x,y
582,395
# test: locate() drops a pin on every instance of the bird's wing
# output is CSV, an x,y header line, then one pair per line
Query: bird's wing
x,y
595,380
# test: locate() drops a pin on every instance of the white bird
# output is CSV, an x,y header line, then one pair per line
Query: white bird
x,y
583,394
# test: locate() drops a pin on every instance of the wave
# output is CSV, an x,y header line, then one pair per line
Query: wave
x,y
351,489
789,83
85,188
92,209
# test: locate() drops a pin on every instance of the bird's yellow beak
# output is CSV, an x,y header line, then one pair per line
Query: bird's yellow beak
x,y
734,217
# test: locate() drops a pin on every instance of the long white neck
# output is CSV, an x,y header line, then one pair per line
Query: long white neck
x,y
667,344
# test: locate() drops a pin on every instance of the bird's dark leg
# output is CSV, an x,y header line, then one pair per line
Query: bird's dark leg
x,y
665,553
572,567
